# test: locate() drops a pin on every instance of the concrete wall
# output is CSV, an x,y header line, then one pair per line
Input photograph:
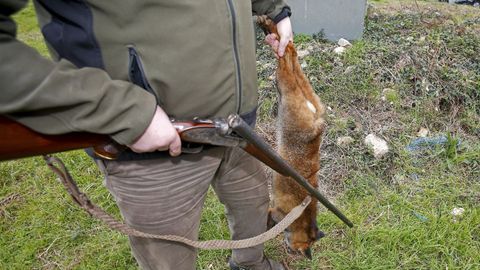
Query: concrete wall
x,y
337,18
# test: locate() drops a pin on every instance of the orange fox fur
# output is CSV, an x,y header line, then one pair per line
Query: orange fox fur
x,y
300,127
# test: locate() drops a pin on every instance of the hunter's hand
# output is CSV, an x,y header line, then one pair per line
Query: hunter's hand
x,y
160,135
284,28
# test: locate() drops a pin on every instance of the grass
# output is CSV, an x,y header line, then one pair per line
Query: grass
x,y
415,68
28,30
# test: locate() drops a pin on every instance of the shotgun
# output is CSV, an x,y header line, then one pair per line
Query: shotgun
x,y
17,141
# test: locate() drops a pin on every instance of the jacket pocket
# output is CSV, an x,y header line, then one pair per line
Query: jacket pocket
x,y
53,33
136,73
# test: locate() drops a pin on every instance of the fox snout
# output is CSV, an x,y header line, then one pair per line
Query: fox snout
x,y
300,242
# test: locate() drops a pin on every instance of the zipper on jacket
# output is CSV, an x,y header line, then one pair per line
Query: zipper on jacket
x,y
136,72
235,55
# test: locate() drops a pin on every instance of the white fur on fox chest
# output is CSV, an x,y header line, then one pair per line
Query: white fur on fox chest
x,y
311,107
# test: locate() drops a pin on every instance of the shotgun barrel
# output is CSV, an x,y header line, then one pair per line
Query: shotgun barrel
x,y
263,152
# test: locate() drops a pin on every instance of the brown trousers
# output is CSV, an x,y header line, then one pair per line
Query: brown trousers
x,y
166,196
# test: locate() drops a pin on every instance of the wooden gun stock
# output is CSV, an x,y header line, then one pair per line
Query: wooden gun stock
x,y
19,141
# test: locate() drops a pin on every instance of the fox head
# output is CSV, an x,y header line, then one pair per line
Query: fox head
x,y
300,236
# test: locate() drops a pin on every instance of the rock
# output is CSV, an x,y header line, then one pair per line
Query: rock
x,y
344,43
388,94
457,213
358,126
426,85
420,216
345,141
400,179
415,177
330,112
302,53
387,91
339,50
304,65
349,70
428,143
378,145
423,132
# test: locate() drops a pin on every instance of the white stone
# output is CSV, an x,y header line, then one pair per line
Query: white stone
x,y
457,212
378,145
302,53
349,69
423,132
387,90
339,50
345,141
344,43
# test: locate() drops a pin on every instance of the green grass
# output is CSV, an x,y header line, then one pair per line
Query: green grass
x,y
28,30
401,204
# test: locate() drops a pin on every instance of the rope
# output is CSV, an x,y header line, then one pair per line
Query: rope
x,y
58,167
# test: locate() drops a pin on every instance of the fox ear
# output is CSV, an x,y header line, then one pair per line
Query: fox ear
x,y
275,215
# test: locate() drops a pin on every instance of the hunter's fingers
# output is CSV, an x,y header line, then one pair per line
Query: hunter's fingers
x,y
160,135
282,45
272,40
284,28
175,148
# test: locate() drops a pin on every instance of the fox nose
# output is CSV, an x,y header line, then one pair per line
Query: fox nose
x,y
320,234
307,253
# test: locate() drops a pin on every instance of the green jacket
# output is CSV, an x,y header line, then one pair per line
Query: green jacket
x,y
194,58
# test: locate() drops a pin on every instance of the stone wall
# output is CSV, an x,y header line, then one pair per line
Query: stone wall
x,y
337,18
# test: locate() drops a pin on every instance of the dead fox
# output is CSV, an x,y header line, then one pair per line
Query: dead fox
x,y
300,128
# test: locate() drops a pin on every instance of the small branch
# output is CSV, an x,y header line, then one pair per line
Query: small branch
x,y
12,197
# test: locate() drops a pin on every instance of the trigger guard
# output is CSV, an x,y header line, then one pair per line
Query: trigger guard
x,y
191,148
